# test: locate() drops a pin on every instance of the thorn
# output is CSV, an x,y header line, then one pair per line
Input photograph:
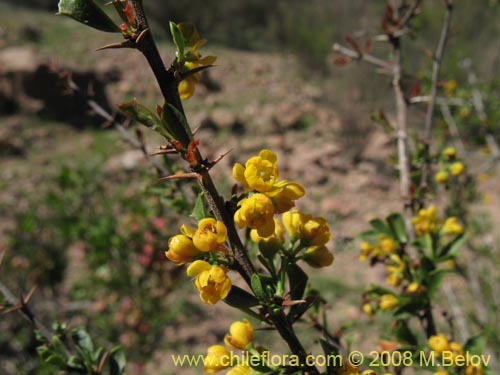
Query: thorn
x,y
141,35
2,256
124,44
161,150
293,303
180,176
213,163
12,309
102,362
30,294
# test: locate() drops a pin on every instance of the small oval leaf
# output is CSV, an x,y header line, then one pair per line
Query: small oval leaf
x,y
89,13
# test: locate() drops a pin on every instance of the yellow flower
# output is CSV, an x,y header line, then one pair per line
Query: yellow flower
x,y
314,231
413,288
457,168
181,249
367,309
256,212
218,358
318,256
450,87
240,335
452,226
439,343
269,245
441,177
393,279
259,173
240,370
388,302
211,281
474,370
366,250
449,153
425,221
368,372
397,265
210,234
187,87
440,372
284,194
387,245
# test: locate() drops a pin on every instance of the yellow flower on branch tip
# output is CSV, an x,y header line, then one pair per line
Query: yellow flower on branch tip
x,y
318,256
181,249
393,279
440,372
240,335
388,302
387,245
304,227
256,212
452,226
269,246
259,173
187,87
439,343
449,153
425,221
367,309
457,168
210,234
211,281
218,358
441,177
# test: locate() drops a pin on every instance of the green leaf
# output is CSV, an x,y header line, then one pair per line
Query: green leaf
x,y
141,114
381,227
476,344
89,13
398,227
451,249
82,340
330,349
57,360
75,362
258,288
434,280
189,33
403,333
177,124
199,211
240,298
178,40
298,281
117,361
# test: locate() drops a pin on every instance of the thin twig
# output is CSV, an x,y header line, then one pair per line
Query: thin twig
x,y
429,117
361,56
452,126
24,310
458,315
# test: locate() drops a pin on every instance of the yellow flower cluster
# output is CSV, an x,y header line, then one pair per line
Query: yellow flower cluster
x,y
240,337
267,197
211,280
439,344
381,249
426,221
260,176
449,165
395,270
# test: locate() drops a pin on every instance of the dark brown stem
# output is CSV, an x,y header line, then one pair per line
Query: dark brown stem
x,y
169,88
436,67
